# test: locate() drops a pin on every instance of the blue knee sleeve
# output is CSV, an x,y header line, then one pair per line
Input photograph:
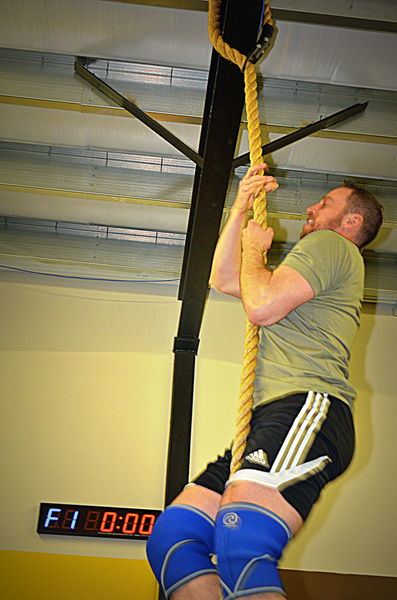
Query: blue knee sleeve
x,y
249,540
180,546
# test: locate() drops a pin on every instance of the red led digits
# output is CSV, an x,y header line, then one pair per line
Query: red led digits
x,y
146,525
107,527
129,527
91,522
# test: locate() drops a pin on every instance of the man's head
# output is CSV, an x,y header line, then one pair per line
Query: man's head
x,y
350,210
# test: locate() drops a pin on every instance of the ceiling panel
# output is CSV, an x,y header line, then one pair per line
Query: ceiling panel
x,y
358,13
150,180
69,156
179,37
175,93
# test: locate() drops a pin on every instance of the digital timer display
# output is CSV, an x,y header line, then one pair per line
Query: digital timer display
x,y
96,521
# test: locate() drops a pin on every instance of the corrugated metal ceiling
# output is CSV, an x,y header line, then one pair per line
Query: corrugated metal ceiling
x,y
68,155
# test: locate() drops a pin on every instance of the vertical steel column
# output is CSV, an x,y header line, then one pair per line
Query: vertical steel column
x,y
223,108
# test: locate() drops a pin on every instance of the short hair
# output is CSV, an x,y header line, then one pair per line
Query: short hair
x,y
363,202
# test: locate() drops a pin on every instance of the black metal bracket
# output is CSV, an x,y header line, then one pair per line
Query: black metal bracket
x,y
133,109
303,132
262,44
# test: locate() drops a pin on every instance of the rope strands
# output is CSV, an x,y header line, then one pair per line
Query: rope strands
x,y
244,410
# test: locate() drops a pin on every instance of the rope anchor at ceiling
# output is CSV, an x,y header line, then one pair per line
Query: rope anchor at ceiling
x,y
263,43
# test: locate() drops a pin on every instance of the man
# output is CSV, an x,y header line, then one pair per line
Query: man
x,y
227,532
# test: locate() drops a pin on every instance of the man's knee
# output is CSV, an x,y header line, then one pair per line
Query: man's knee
x,y
180,546
249,541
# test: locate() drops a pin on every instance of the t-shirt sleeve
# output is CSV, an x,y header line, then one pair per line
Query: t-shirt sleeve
x,y
322,258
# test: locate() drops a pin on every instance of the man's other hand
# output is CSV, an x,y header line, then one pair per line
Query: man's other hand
x,y
255,238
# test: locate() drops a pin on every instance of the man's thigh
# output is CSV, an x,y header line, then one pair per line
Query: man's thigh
x,y
265,496
200,497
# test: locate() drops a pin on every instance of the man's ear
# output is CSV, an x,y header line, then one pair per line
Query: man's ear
x,y
353,220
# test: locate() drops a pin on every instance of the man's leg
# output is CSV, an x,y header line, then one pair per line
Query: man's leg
x,y
269,498
181,545
256,520
266,496
206,586
263,509
200,497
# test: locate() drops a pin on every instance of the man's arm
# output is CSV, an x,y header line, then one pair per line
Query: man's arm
x,y
226,265
268,296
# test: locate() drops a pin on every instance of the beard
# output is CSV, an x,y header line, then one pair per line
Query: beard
x,y
332,224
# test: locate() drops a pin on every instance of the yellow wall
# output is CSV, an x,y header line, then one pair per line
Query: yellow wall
x,y
42,576
85,393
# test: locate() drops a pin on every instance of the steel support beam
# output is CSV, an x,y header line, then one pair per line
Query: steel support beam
x,y
303,132
212,76
134,110
223,109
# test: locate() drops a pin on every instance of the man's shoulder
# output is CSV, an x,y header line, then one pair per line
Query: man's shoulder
x,y
325,258
326,239
324,235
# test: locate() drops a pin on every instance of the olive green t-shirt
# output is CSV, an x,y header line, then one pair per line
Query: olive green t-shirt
x,y
309,349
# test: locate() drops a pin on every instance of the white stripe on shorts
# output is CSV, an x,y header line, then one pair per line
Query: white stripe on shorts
x,y
301,435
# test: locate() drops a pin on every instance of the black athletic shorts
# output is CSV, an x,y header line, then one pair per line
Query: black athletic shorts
x,y
308,438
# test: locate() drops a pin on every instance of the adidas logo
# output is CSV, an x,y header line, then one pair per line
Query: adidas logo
x,y
259,457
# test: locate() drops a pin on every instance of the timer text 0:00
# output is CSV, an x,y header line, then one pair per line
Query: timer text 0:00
x,y
96,521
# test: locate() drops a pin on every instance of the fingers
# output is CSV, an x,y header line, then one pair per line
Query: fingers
x,y
253,184
270,233
255,168
259,179
255,238
271,184
252,181
250,186
254,225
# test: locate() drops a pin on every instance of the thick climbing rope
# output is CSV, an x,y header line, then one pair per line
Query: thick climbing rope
x,y
244,410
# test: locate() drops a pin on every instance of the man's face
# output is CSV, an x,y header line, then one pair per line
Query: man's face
x,y
328,212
